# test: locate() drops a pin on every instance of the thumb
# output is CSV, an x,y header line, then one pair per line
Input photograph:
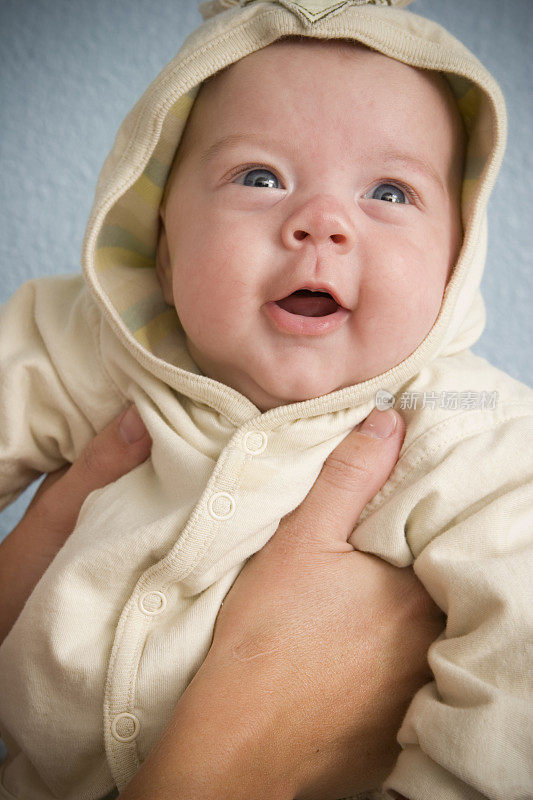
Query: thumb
x,y
114,451
350,477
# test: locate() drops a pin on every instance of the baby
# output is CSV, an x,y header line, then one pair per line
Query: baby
x,y
318,242
309,228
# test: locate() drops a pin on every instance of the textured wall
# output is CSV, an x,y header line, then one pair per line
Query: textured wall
x,y
71,69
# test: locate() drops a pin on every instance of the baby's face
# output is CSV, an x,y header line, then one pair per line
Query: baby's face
x,y
312,219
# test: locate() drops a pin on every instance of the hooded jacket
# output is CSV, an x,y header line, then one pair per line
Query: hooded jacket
x,y
123,617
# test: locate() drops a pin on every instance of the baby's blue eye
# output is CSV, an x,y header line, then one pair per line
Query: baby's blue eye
x,y
262,178
389,193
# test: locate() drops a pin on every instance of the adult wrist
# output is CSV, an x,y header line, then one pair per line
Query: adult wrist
x,y
217,746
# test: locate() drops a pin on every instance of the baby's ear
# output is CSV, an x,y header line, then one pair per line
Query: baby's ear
x,y
162,263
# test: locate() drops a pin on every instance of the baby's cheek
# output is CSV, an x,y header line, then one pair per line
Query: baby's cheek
x,y
192,302
424,269
408,287
425,299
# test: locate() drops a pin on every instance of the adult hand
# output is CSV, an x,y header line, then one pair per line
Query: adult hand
x,y
51,516
317,652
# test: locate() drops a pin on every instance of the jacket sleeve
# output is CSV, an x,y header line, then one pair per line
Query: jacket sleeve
x,y
54,393
469,733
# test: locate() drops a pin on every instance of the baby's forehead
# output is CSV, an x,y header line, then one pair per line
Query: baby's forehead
x,y
348,52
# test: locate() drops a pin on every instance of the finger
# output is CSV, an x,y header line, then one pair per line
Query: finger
x,y
46,484
115,451
351,476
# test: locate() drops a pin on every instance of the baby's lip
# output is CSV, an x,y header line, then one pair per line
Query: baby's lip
x,y
310,288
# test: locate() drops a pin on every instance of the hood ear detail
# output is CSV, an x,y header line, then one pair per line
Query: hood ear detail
x,y
213,7
308,11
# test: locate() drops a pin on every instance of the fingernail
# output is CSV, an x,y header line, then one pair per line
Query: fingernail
x,y
131,426
379,424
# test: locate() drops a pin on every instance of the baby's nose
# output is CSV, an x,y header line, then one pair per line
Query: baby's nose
x,y
323,220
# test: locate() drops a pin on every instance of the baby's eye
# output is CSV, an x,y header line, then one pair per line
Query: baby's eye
x,y
259,177
389,193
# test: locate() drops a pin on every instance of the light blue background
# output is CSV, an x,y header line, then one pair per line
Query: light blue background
x,y
71,69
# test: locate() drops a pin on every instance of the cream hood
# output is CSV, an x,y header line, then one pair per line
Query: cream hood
x,y
119,248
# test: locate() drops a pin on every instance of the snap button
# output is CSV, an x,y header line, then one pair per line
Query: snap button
x,y
125,727
152,602
255,442
221,505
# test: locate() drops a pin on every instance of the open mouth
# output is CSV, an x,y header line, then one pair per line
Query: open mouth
x,y
306,303
305,312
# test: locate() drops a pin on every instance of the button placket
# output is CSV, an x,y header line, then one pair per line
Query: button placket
x,y
221,505
254,442
152,602
125,727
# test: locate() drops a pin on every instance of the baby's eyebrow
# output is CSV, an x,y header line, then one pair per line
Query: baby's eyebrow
x,y
414,162
234,139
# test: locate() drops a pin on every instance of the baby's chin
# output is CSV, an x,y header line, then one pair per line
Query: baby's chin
x,y
268,391
275,393
273,383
